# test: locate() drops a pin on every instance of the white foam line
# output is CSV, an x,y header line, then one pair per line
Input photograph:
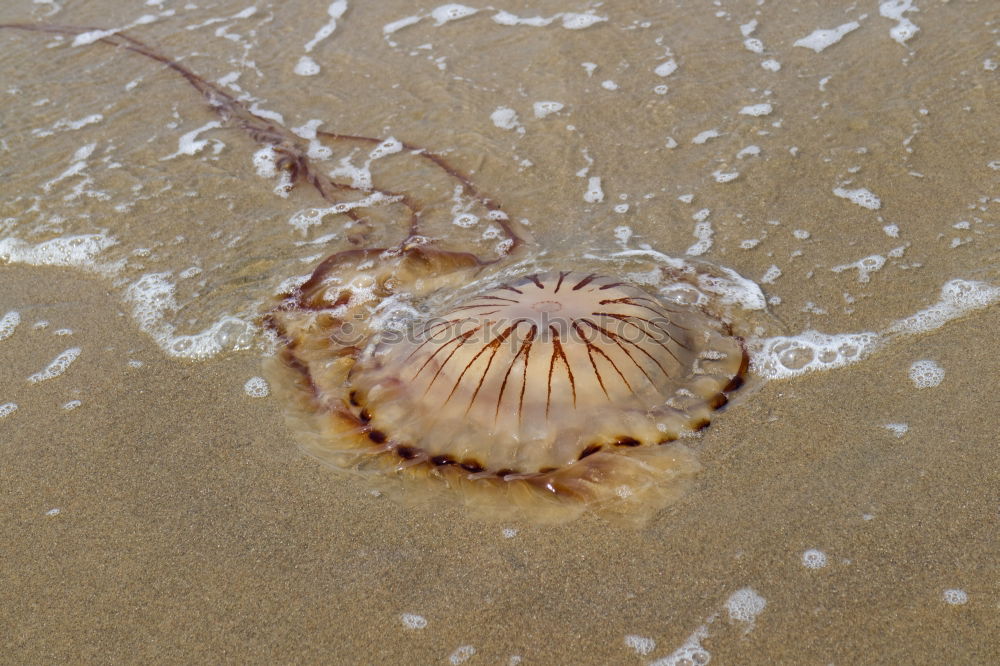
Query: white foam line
x,y
454,11
904,28
307,66
152,297
58,366
958,298
304,219
79,163
782,357
68,125
92,36
245,13
189,144
77,251
820,39
8,323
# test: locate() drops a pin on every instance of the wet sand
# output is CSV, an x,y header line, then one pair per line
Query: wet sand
x,y
191,528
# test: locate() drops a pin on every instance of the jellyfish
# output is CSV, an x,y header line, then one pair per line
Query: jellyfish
x,y
541,397
437,370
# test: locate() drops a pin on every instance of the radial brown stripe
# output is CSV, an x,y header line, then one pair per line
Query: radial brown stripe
x,y
614,338
558,353
584,282
593,347
495,344
525,345
562,276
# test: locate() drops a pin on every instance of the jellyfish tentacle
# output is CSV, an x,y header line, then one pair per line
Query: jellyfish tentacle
x,y
292,155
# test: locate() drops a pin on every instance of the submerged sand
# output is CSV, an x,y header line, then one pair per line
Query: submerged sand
x,y
170,517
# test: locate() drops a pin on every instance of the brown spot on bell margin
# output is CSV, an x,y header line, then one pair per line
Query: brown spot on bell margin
x,y
627,441
406,452
365,415
377,436
590,450
718,401
443,460
472,466
700,425
353,397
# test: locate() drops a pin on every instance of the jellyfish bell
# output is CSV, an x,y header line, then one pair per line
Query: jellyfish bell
x,y
543,397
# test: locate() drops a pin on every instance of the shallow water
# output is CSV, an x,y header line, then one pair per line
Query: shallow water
x,y
842,515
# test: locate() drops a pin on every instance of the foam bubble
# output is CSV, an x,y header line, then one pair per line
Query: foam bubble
x,y
577,21
702,137
753,45
725,176
814,559
691,652
306,66
390,28
666,68
7,408
543,109
820,39
749,151
594,193
451,12
926,374
865,266
506,18
861,196
771,65
782,357
569,20
904,28
744,605
77,251
461,654
756,110
71,405
642,645
413,621
955,597
509,532
609,85
772,274
703,232
506,118
897,429
8,323
58,366
53,512
257,387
